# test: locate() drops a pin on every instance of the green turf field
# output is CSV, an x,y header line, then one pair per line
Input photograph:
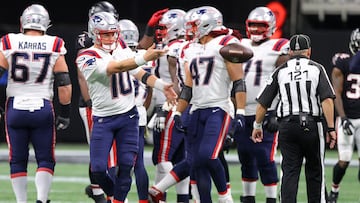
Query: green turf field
x,y
71,179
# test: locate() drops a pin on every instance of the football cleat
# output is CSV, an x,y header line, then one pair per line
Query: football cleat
x,y
97,198
155,195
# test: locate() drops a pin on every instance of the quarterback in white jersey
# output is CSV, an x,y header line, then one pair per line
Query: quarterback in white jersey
x,y
36,64
106,67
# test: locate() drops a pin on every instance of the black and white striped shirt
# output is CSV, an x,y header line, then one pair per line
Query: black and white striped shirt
x,y
301,85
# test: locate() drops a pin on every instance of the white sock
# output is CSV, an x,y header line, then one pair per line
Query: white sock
x,y
249,188
43,180
162,169
271,191
226,198
96,189
19,185
194,191
182,187
166,182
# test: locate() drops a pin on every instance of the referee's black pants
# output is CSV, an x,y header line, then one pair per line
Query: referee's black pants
x,y
297,143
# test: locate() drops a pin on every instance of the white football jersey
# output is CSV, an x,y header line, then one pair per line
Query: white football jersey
x,y
190,49
140,90
259,67
112,94
162,70
31,61
211,81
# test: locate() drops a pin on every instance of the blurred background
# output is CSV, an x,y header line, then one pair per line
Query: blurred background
x,y
328,23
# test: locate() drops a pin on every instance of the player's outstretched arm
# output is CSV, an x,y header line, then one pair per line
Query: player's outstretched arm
x,y
116,66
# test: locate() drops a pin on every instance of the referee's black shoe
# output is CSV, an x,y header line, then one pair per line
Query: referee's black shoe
x,y
333,197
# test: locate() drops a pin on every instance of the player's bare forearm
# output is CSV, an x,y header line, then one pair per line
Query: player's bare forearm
x,y
337,81
260,113
328,109
64,93
83,86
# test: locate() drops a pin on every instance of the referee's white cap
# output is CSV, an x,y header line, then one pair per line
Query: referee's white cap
x,y
299,42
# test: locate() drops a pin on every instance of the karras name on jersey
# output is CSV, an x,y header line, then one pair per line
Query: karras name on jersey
x,y
32,45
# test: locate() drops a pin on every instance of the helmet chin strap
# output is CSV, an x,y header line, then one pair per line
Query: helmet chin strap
x,y
109,48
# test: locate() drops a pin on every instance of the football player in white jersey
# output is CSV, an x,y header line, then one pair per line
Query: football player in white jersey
x,y
259,158
35,61
181,170
83,41
130,35
106,66
169,147
208,82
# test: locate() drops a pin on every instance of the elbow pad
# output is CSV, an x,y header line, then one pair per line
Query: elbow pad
x,y
62,79
186,93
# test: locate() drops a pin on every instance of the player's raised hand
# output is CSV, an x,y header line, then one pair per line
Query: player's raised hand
x,y
155,18
152,53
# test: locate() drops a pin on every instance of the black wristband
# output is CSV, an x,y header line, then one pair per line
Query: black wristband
x,y
64,110
330,130
88,103
149,31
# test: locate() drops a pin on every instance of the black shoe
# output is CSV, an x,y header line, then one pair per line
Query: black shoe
x,y
97,198
38,201
333,197
247,199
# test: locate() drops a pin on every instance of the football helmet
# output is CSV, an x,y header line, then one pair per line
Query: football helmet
x,y
129,32
103,6
204,20
104,22
171,25
354,43
260,24
187,24
35,17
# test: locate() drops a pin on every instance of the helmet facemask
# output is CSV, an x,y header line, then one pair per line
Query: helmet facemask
x,y
107,40
257,30
161,34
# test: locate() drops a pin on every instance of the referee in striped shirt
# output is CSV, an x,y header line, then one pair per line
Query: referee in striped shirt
x,y
305,96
